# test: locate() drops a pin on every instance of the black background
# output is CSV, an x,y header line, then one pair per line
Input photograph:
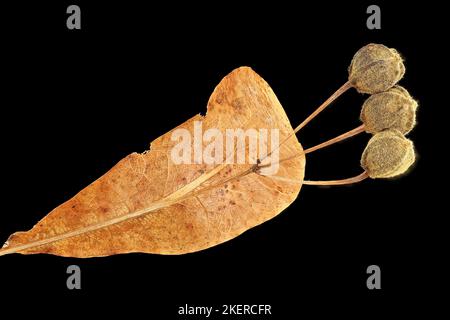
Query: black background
x,y
76,102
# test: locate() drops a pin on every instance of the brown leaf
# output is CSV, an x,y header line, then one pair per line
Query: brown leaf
x,y
146,203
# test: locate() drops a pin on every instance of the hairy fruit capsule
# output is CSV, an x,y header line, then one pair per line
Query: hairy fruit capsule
x,y
392,109
388,154
375,68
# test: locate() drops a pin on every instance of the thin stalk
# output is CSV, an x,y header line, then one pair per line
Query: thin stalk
x,y
327,102
341,137
351,180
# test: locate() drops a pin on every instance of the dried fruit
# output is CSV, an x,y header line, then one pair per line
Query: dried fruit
x,y
392,109
387,154
148,204
375,68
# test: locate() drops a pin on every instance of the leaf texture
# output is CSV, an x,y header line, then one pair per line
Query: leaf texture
x,y
146,203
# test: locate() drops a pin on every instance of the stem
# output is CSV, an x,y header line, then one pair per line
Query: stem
x,y
327,102
351,180
341,137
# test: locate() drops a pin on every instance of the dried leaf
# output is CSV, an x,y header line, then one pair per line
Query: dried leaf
x,y
146,203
